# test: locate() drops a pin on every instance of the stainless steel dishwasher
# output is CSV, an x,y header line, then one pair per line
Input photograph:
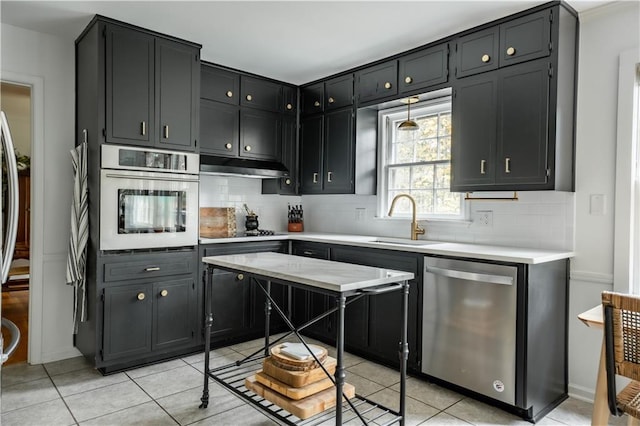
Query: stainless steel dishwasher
x,y
469,325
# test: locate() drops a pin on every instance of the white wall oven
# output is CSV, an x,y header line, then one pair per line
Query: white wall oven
x,y
148,198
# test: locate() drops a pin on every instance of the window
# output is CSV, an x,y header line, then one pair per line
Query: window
x,y
418,162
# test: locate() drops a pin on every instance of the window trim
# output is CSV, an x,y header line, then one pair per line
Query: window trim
x,y
385,116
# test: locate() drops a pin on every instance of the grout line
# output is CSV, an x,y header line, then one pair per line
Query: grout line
x,y
61,397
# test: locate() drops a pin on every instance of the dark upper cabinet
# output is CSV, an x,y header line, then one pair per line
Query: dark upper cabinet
x,y
219,85
289,157
420,70
177,94
519,40
151,89
377,82
501,131
260,93
312,98
525,38
338,155
311,141
219,128
338,92
477,52
129,80
289,99
259,134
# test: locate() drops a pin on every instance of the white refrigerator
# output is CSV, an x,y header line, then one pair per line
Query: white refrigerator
x,y
8,245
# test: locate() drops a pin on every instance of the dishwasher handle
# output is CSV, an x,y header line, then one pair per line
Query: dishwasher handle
x,y
471,276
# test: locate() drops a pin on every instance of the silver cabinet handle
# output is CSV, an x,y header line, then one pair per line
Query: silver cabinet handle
x,y
471,276
483,164
315,178
387,85
329,176
507,165
152,269
143,128
166,132
408,80
308,253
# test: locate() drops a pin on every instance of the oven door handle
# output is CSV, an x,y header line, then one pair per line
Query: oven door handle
x,y
168,178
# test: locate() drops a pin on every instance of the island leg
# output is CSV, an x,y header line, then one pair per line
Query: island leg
x,y
404,352
208,321
340,374
267,318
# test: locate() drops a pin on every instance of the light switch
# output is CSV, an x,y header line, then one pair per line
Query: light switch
x,y
597,205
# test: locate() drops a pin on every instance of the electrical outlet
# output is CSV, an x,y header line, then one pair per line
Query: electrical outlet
x,y
483,218
360,214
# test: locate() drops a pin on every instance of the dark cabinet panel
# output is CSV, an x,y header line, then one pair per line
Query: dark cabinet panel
x,y
338,153
523,117
474,115
219,128
425,68
377,82
259,134
477,52
124,268
129,87
172,326
229,304
177,89
289,156
338,92
289,99
525,38
311,137
312,98
259,93
220,85
127,321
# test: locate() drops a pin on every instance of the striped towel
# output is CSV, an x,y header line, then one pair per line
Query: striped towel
x,y
77,254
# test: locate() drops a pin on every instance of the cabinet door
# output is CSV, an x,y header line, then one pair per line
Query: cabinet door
x,y
177,92
525,38
377,82
289,100
338,92
127,321
173,301
129,87
219,128
477,52
259,134
312,98
523,118
339,147
289,155
259,93
474,107
311,155
229,304
219,85
423,69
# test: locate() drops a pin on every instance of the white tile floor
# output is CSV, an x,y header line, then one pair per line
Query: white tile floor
x,y
71,392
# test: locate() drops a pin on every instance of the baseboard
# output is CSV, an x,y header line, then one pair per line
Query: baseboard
x,y
58,356
581,393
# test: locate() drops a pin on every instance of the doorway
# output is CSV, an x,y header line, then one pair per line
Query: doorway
x,y
16,102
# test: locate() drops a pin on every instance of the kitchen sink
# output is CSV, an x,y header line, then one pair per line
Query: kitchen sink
x,y
403,241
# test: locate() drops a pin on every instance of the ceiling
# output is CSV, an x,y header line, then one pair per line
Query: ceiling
x,y
292,41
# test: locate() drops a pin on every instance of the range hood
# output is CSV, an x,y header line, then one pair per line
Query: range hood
x,y
241,166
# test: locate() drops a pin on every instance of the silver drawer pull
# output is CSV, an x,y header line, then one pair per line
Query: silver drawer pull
x,y
315,178
483,164
143,128
152,269
166,131
507,165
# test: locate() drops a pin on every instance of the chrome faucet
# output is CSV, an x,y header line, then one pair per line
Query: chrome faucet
x,y
415,228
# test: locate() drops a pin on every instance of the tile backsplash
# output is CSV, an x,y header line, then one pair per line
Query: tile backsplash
x,y
539,219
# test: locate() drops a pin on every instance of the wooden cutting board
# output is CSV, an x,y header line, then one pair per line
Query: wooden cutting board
x,y
290,391
303,408
217,222
289,363
298,379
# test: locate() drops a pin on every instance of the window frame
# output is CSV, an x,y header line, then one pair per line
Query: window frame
x,y
385,118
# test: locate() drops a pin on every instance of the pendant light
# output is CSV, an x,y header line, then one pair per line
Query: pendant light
x,y
409,124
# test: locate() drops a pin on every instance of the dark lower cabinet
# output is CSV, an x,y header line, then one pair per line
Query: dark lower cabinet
x,y
171,326
230,305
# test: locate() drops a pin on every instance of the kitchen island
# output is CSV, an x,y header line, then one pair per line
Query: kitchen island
x,y
345,282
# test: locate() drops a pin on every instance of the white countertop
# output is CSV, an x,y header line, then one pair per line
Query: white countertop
x,y
326,274
463,250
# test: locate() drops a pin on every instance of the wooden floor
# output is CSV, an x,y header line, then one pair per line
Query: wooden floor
x,y
15,307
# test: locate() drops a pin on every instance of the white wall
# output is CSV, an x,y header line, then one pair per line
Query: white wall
x,y
605,33
50,60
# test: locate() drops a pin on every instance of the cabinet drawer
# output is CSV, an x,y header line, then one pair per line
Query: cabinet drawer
x,y
148,266
219,85
316,250
312,98
525,38
339,92
378,82
259,93
477,52
423,69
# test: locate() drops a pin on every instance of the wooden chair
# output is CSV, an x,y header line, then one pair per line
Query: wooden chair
x,y
622,352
